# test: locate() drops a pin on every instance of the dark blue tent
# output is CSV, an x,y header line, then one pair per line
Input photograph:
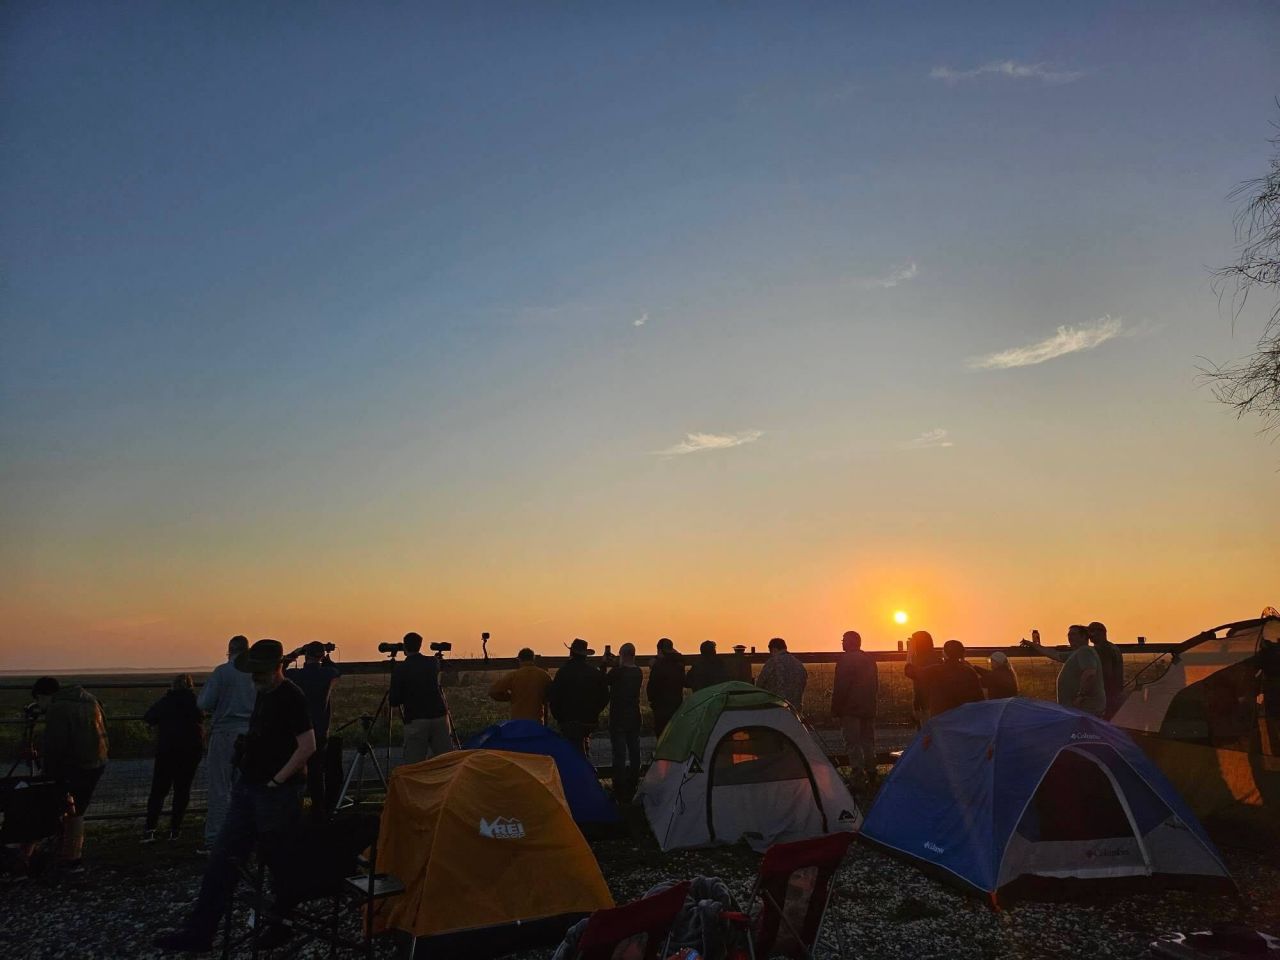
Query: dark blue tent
x,y
588,803
1008,790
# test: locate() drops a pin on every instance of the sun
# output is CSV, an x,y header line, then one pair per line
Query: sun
x,y
900,617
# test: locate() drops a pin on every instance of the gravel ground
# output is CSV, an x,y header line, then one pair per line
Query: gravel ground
x,y
885,908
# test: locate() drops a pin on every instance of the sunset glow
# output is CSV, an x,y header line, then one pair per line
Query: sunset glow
x,y
707,323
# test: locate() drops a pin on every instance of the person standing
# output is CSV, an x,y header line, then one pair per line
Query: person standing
x,y
179,728
267,797
525,688
666,685
316,679
853,703
739,667
578,694
1112,662
624,682
1080,679
921,655
75,754
1000,681
952,682
783,674
707,670
416,690
227,697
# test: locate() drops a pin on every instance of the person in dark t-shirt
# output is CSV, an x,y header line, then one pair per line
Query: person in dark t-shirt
x,y
316,679
952,682
266,799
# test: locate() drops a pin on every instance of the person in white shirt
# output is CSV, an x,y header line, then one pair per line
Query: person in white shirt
x,y
227,696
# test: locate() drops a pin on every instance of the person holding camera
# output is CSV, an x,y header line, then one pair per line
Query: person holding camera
x,y
267,797
415,689
316,678
75,753
227,696
179,726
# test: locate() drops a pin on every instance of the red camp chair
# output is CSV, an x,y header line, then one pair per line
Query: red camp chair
x,y
785,913
634,931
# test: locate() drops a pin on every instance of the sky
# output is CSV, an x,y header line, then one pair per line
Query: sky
x,y
705,321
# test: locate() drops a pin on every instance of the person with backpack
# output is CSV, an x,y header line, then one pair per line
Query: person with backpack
x,y
179,725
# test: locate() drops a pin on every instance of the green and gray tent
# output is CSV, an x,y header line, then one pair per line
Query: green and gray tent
x,y
736,763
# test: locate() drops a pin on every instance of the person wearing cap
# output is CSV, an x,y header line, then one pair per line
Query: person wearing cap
x,y
952,682
707,670
316,678
525,688
853,703
578,694
266,799
739,667
783,674
416,690
227,697
665,688
1000,681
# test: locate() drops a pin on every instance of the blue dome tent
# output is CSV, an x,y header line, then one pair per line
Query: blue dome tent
x,y
1025,790
588,802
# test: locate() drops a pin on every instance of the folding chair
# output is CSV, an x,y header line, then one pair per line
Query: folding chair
x,y
786,910
640,930
311,871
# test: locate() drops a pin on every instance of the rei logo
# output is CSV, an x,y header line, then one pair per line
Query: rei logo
x,y
503,828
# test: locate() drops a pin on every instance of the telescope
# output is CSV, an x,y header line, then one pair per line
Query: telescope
x,y
442,646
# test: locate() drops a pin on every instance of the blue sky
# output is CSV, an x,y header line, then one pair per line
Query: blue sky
x,y
303,305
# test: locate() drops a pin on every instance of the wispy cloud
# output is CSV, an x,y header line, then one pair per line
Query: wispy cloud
x,y
901,275
1007,68
928,439
641,320
1066,340
698,442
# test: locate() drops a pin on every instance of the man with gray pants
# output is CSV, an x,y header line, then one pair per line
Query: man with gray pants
x,y
227,696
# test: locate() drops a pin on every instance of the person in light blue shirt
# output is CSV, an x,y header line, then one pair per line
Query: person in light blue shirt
x,y
227,696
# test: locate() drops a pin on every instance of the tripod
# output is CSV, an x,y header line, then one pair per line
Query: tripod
x,y
364,752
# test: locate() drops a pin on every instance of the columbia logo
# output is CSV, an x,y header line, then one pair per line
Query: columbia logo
x,y
1085,736
504,828
930,845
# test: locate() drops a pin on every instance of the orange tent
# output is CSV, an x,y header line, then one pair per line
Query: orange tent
x,y
482,838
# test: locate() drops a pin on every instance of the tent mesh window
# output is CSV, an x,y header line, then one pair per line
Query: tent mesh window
x,y
757,755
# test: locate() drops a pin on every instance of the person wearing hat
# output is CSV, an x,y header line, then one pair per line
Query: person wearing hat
x,y
416,690
707,670
578,694
315,678
265,800
665,688
1000,681
739,667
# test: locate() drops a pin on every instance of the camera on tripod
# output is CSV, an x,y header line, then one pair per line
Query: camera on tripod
x,y
441,647
31,712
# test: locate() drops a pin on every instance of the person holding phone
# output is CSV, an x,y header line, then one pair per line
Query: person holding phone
x,y
1080,679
